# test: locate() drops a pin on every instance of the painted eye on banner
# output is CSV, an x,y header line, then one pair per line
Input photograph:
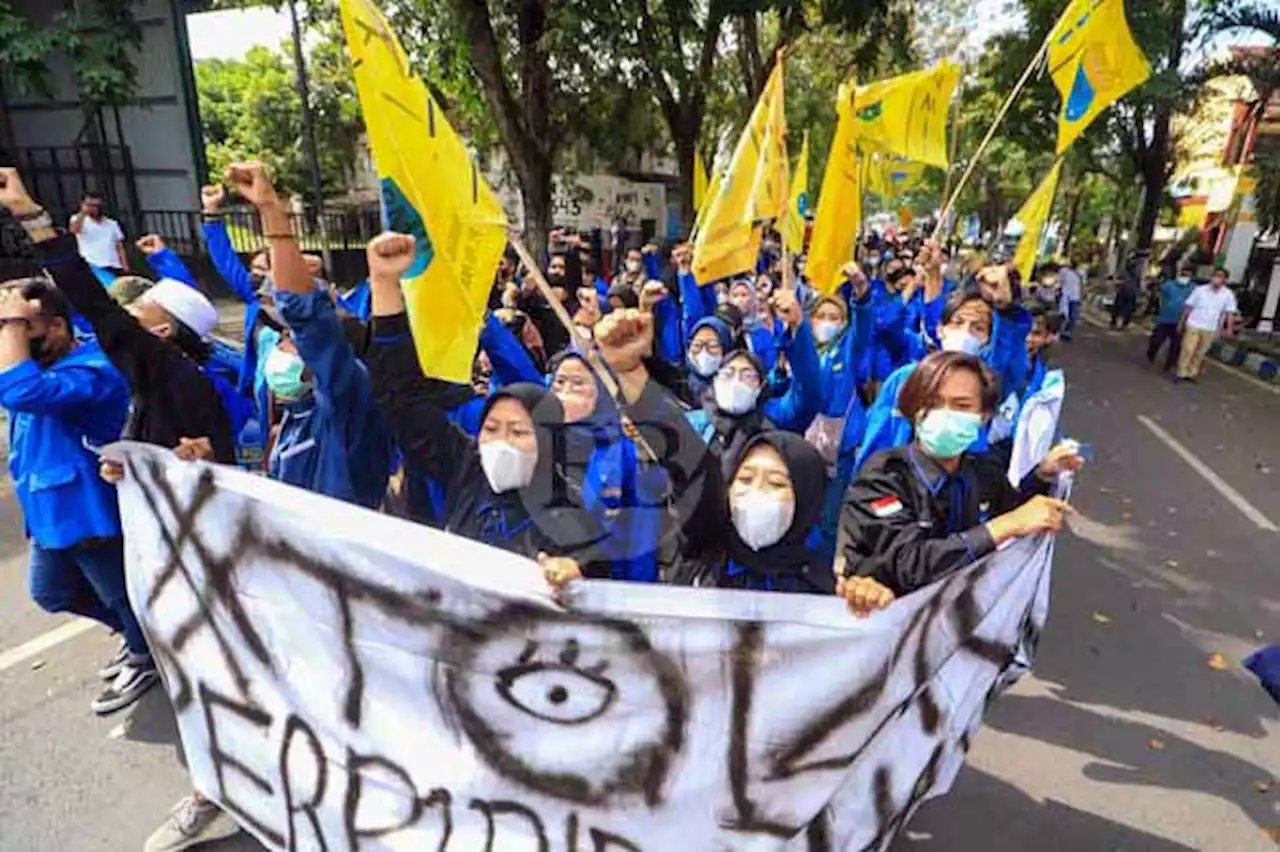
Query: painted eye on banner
x,y
561,692
582,709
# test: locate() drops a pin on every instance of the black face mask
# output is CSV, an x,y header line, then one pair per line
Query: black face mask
x,y
40,352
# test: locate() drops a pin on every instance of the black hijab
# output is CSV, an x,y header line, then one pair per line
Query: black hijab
x,y
809,481
732,431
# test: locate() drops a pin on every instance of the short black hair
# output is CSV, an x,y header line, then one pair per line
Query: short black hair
x,y
1221,269
91,195
1052,319
53,302
920,391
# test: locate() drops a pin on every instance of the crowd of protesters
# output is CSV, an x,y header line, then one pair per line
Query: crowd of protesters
x,y
751,433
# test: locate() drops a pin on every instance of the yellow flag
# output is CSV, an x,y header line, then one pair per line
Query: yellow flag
x,y
728,235
705,207
839,215
1032,216
791,225
1094,62
700,182
889,176
905,219
772,184
431,189
907,115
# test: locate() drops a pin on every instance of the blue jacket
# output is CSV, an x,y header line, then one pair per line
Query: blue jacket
x,y
357,301
1173,294
891,346
166,264
232,270
335,441
923,317
696,303
1008,355
511,362
53,413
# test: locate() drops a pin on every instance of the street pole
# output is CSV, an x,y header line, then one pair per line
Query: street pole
x,y
309,135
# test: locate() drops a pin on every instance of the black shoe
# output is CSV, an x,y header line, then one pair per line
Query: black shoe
x,y
135,678
113,666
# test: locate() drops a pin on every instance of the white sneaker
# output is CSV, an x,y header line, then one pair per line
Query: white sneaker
x,y
191,822
113,666
133,679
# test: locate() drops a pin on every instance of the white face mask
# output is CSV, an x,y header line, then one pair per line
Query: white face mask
x,y
506,466
633,266
735,397
761,519
960,340
826,330
705,364
1184,280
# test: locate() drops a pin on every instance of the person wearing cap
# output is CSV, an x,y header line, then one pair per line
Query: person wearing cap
x,y
333,438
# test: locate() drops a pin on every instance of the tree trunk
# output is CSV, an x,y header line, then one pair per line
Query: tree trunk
x,y
686,145
1071,222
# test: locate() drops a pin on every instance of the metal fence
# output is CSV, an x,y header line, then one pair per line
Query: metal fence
x,y
60,175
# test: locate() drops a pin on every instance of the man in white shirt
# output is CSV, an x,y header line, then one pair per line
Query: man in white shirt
x,y
99,238
1209,309
1071,288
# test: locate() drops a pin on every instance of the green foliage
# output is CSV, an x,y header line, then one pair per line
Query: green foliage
x,y
249,108
101,47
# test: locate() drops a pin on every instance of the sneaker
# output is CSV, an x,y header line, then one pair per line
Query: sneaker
x,y
191,822
135,678
113,666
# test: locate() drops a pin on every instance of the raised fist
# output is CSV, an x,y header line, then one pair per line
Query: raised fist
x,y
390,255
652,293
150,244
250,180
787,306
625,337
13,195
211,198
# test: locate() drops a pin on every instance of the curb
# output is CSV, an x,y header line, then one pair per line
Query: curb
x,y
1246,361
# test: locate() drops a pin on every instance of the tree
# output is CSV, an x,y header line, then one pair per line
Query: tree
x,y
250,108
101,48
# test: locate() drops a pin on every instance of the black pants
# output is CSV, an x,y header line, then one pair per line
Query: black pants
x,y
1122,313
1165,331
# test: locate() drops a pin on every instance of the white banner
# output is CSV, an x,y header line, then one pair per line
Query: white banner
x,y
347,681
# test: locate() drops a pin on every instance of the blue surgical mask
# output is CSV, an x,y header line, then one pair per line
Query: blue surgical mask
x,y
945,434
283,372
827,330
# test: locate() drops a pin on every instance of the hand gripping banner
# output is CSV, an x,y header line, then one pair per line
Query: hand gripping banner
x,y
345,680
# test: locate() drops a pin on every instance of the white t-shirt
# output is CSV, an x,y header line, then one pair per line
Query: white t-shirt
x,y
1069,281
98,240
1208,307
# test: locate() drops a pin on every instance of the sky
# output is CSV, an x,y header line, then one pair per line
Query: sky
x,y
230,34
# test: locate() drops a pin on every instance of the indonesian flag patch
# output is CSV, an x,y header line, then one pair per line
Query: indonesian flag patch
x,y
886,507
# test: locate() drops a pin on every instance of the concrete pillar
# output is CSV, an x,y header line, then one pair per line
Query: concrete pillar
x,y
1267,324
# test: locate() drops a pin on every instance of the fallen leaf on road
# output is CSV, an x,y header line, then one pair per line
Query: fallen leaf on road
x,y
1215,724
1106,491
1155,744
1263,469
1217,662
1262,786
1101,619
1128,501
1211,553
1172,511
1172,563
1272,833
37,665
1173,533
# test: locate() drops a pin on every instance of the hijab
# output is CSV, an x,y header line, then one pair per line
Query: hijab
x,y
732,431
808,474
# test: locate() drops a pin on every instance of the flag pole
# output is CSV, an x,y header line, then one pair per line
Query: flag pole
x,y
991,132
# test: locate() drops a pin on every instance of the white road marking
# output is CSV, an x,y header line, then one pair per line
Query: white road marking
x,y
64,633
1234,497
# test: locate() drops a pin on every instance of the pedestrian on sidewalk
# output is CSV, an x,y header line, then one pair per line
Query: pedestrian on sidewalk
x,y
1126,302
1210,309
1071,289
1173,295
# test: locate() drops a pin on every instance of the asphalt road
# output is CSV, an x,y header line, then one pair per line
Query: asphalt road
x,y
1126,738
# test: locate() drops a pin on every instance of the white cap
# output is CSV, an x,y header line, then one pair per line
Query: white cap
x,y
185,304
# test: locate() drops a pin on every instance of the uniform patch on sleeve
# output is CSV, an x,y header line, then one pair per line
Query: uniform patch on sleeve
x,y
886,507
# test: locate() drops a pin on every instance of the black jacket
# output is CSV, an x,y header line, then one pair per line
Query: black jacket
x,y
907,522
172,397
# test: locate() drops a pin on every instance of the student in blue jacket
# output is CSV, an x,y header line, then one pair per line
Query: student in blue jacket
x,y
333,439
1010,325
967,326
64,396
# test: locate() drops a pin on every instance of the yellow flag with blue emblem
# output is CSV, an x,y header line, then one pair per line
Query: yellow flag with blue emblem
x,y
839,214
889,176
1094,62
907,115
430,188
1032,216
791,225
772,184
